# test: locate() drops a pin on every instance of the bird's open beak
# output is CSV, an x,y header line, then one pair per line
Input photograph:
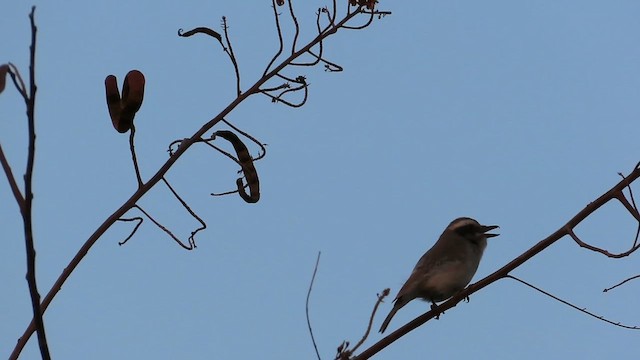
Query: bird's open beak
x,y
486,228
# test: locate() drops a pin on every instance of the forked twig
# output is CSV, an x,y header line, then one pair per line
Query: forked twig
x,y
344,353
135,228
191,245
203,225
582,310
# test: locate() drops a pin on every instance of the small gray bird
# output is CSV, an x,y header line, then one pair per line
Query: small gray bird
x,y
447,267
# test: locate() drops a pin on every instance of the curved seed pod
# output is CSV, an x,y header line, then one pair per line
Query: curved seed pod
x,y
123,110
246,161
114,104
132,91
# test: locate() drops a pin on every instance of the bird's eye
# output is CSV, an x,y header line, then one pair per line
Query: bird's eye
x,y
466,230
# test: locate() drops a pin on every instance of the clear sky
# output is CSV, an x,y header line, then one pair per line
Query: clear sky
x,y
516,113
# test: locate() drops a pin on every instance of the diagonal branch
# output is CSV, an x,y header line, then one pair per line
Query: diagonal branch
x,y
505,270
185,144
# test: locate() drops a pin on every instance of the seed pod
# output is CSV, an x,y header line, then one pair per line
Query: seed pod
x,y
123,110
246,162
4,68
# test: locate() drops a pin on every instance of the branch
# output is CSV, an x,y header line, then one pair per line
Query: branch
x,y
28,200
313,277
505,270
582,310
185,144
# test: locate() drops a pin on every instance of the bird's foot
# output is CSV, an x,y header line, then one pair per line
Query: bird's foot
x,y
434,307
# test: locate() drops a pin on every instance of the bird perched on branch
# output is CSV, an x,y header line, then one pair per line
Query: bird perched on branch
x,y
447,267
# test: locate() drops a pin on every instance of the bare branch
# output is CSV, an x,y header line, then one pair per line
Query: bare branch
x,y
17,81
295,22
12,181
132,148
229,52
248,136
620,283
344,353
280,41
139,220
582,310
313,277
505,270
203,225
191,245
185,144
27,217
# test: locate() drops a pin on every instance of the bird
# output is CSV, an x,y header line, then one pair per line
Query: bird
x,y
447,267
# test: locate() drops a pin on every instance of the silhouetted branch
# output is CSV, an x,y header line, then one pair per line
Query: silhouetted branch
x,y
17,80
503,272
229,51
295,22
184,145
313,277
248,136
132,148
280,41
27,217
344,353
203,225
620,283
582,310
135,229
12,181
191,245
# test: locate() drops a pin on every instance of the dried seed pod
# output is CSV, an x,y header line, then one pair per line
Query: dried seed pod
x,y
246,162
133,91
4,68
123,110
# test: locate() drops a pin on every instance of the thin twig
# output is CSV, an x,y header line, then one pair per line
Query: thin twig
x,y
365,24
620,283
139,220
280,41
232,56
317,58
295,22
599,250
248,136
582,310
329,66
191,245
313,277
17,80
344,352
203,225
12,181
132,148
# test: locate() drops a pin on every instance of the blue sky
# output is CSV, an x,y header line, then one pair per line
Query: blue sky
x,y
514,113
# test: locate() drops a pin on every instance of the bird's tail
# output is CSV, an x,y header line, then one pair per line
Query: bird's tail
x,y
386,321
396,306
